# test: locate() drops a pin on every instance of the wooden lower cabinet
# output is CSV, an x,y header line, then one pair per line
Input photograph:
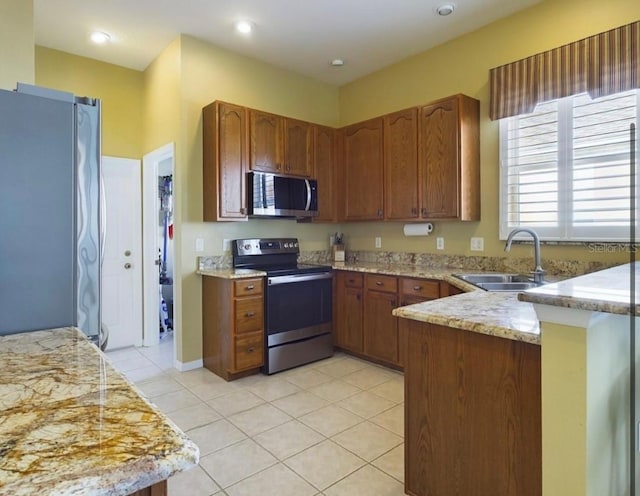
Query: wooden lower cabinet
x,y
348,305
472,414
380,327
363,323
232,326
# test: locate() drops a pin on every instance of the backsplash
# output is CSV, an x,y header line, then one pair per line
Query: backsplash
x,y
561,268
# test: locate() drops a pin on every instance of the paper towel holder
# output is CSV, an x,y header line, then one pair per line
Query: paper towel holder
x,y
422,229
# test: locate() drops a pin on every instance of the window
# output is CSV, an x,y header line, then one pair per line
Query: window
x,y
565,168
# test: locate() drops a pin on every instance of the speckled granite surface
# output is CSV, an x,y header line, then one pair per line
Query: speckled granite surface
x,y
71,424
608,291
495,314
230,273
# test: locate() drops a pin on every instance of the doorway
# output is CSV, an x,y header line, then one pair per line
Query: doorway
x,y
158,247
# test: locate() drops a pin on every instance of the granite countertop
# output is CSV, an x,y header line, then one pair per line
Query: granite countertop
x,y
494,314
71,424
607,290
230,273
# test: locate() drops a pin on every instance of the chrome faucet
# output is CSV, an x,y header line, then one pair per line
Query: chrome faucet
x,y
538,272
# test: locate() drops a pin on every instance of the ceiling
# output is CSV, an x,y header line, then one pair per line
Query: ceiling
x,y
303,36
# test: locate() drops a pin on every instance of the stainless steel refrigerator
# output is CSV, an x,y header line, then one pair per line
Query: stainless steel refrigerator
x,y
49,211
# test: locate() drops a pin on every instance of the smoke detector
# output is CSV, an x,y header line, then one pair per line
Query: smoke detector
x,y
445,9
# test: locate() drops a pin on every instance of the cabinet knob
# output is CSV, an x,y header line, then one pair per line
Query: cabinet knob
x,y
251,350
250,313
417,288
379,283
424,212
250,287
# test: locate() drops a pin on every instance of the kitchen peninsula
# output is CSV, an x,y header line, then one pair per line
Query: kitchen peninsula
x,y
71,424
521,394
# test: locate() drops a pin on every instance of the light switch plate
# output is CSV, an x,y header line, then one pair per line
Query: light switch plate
x,y
199,244
439,243
477,244
378,242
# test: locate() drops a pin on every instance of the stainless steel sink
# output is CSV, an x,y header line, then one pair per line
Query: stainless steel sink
x,y
500,281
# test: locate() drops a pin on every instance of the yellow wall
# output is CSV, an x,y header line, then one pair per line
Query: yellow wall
x,y
462,66
16,43
119,89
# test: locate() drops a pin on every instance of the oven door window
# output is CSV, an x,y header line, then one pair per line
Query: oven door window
x,y
298,305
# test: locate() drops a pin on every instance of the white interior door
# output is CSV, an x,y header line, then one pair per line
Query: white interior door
x,y
122,264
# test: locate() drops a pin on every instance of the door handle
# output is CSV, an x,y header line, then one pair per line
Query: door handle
x,y
127,265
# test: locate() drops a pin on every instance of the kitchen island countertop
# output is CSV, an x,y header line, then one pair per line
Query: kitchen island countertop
x,y
608,290
71,424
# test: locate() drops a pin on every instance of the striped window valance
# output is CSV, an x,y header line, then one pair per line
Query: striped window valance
x,y
600,65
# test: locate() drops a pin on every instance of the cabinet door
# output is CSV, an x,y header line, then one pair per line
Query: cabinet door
x,y
224,162
449,158
401,165
349,306
363,164
439,159
298,148
266,142
380,327
325,173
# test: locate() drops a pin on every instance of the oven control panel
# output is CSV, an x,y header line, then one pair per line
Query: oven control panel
x,y
265,246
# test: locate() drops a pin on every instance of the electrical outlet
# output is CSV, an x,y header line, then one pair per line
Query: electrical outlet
x,y
378,242
226,244
477,244
439,243
199,244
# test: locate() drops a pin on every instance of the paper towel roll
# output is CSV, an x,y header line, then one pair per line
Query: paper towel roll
x,y
418,229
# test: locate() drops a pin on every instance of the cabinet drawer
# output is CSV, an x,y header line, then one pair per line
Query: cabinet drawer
x,y
247,287
249,314
249,350
353,280
429,290
386,284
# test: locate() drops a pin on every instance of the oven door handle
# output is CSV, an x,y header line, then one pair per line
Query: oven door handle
x,y
308,184
272,281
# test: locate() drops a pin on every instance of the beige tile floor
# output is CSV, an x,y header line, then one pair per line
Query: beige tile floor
x,y
333,428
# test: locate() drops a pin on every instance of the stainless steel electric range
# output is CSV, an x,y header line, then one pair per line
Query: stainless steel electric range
x,y
297,303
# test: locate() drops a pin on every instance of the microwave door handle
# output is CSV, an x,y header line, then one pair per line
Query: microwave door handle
x,y
308,184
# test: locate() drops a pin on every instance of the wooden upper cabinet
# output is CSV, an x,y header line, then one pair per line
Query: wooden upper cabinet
x,y
401,165
363,170
224,162
298,148
325,172
266,142
449,158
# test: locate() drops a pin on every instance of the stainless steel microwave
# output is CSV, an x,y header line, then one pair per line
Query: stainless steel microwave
x,y
270,195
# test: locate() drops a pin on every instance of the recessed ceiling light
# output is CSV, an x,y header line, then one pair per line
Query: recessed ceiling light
x,y
445,9
100,37
244,27
337,62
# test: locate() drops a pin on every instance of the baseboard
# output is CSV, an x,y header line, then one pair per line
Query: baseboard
x,y
184,367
